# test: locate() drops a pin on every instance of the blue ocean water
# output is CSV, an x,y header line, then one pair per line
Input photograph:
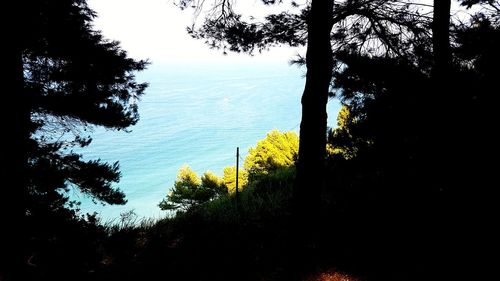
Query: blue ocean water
x,y
196,114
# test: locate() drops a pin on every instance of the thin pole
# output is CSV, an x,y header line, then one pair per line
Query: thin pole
x,y
237,168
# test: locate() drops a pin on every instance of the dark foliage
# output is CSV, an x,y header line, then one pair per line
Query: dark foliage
x,y
73,79
418,183
68,78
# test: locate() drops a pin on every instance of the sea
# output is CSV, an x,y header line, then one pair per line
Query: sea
x,y
195,114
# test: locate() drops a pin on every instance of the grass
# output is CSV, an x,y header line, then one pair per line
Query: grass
x,y
256,240
218,239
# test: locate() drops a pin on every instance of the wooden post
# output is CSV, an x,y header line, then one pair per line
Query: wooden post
x,y
237,167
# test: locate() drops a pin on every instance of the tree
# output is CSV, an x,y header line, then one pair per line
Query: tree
x,y
277,150
65,78
184,193
190,191
340,140
74,82
229,178
214,183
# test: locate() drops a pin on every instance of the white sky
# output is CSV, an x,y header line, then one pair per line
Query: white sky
x,y
156,30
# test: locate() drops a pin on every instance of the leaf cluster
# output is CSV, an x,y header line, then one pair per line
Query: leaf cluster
x,y
190,190
73,80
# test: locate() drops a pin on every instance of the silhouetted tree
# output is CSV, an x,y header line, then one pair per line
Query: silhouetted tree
x,y
65,79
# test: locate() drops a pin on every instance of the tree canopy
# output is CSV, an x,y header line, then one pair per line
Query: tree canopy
x,y
229,177
277,150
74,79
340,139
65,78
190,190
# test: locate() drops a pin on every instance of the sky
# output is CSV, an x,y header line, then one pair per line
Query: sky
x,y
156,30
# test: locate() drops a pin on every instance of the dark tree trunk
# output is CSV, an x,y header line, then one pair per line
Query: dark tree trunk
x,y
312,149
441,148
441,37
443,110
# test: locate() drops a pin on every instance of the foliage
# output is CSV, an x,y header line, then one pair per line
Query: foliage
x,y
408,126
272,158
340,139
277,150
371,26
268,197
70,80
190,191
247,239
76,79
229,178
211,181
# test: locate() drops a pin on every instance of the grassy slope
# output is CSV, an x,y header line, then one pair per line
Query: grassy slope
x,y
214,242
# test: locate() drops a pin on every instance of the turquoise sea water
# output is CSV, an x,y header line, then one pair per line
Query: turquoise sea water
x,y
196,114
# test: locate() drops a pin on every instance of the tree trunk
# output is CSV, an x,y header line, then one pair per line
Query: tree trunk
x,y
444,106
312,149
441,37
440,146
